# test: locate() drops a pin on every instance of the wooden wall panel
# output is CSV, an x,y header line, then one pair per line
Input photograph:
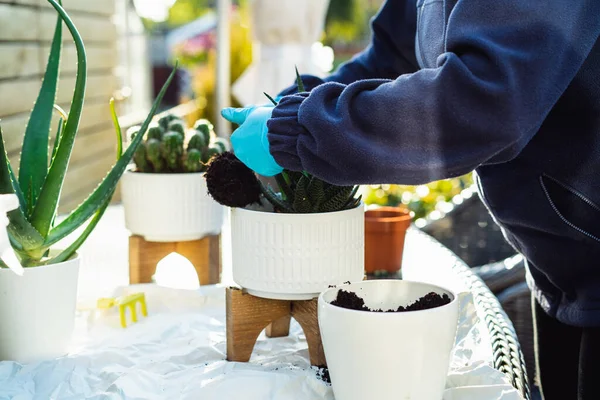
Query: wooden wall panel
x,y
26,29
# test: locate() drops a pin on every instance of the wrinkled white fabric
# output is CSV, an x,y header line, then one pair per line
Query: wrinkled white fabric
x,y
178,352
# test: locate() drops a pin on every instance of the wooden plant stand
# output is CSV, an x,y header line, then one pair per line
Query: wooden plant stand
x,y
248,315
204,254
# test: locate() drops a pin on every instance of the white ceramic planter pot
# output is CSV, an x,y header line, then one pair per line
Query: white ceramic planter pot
x,y
37,311
296,256
169,207
388,356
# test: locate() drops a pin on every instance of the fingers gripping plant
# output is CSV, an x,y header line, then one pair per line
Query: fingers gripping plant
x,y
164,150
32,229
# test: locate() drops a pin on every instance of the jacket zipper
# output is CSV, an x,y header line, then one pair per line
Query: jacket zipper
x,y
576,193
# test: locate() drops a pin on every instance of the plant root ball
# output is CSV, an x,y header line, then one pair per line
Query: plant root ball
x,y
231,183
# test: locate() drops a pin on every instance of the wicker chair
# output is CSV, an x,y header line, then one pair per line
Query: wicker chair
x,y
506,347
471,233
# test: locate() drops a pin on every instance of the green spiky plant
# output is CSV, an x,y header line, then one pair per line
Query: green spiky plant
x,y
300,192
32,229
164,151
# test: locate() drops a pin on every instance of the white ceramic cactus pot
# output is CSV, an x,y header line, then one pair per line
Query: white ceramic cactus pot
x,y
388,356
37,311
169,207
296,256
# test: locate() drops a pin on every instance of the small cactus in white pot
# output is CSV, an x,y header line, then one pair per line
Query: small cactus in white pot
x,y
164,194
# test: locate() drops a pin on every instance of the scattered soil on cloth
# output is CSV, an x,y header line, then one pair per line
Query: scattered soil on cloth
x,y
352,301
230,182
323,373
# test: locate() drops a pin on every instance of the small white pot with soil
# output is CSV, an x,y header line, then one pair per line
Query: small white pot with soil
x,y
169,207
37,311
403,354
296,256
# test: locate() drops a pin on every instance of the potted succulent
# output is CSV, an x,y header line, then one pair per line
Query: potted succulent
x,y
37,305
385,231
164,193
294,242
415,324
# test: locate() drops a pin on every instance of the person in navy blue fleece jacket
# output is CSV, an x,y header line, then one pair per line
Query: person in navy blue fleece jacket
x,y
509,89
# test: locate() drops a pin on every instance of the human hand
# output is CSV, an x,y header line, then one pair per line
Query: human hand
x,y
249,141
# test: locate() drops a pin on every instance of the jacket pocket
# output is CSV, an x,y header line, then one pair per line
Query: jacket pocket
x,y
572,207
431,29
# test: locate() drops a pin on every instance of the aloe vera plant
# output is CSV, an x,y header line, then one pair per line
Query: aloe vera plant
x,y
32,228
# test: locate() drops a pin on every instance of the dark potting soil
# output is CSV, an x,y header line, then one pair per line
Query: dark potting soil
x,y
352,301
230,182
323,373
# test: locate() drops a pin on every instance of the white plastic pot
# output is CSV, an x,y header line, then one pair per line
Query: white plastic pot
x,y
296,256
169,207
388,356
37,311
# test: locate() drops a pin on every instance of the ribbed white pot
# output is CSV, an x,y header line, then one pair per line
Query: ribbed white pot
x,y
169,207
388,356
37,311
296,256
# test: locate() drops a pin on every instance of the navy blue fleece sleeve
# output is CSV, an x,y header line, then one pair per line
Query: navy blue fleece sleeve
x,y
504,66
390,53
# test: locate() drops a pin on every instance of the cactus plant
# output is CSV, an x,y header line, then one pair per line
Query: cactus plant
x,y
164,150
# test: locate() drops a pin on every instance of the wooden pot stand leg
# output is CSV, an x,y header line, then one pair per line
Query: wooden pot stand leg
x,y
204,254
248,315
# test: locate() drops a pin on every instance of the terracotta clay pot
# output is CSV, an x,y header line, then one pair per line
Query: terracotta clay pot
x,y
385,231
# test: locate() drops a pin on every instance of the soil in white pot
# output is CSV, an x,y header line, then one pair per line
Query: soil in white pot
x,y
352,301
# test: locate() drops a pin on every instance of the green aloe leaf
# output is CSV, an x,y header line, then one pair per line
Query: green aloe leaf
x,y
69,251
105,190
34,155
115,119
47,203
21,233
59,130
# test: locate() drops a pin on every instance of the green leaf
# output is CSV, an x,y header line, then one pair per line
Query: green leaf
x,y
301,202
284,187
21,233
34,155
316,193
61,124
47,203
351,199
270,99
299,82
338,201
69,251
115,119
106,188
272,198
